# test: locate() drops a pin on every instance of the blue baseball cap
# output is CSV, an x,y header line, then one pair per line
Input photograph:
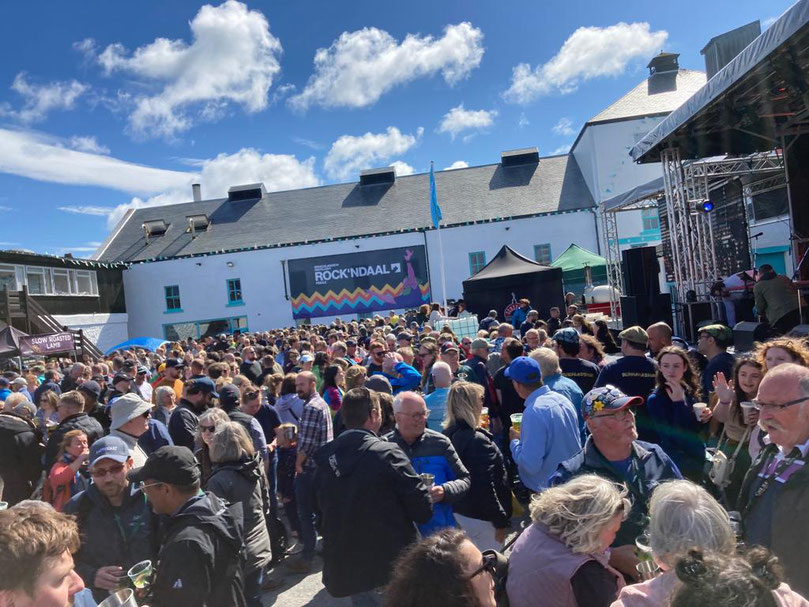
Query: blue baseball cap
x,y
524,370
568,335
203,384
109,447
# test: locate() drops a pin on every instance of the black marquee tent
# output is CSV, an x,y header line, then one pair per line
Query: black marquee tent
x,y
510,275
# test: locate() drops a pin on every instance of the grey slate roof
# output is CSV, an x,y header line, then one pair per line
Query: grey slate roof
x,y
349,210
659,94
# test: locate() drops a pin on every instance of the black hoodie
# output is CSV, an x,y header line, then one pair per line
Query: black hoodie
x,y
201,560
369,499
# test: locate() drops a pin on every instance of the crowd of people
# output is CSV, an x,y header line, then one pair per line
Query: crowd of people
x,y
639,466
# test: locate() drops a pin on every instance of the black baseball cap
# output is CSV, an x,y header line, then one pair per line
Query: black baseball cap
x,y
202,384
172,465
90,387
120,377
174,362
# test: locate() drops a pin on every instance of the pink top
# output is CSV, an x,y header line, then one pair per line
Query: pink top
x,y
656,593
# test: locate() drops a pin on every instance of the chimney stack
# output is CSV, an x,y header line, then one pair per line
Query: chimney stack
x,y
197,191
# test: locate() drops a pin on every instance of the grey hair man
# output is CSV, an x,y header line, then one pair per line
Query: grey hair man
x,y
430,452
773,498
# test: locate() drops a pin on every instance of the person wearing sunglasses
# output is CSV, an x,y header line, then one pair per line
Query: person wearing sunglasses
x,y
445,569
773,499
613,451
130,420
118,529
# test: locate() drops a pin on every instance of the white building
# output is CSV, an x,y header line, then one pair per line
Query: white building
x,y
208,266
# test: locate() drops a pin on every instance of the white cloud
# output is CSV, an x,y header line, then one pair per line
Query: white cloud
x,y
87,143
402,168
589,52
562,149
458,120
40,99
44,158
86,210
359,67
349,155
277,172
232,58
523,121
564,127
458,164
309,143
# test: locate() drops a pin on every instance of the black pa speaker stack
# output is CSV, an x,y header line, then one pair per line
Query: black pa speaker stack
x,y
643,304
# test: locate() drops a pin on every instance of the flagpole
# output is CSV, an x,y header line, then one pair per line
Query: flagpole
x,y
440,253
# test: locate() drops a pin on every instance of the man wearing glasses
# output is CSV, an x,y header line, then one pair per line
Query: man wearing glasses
x,y
613,451
118,529
430,452
774,499
130,420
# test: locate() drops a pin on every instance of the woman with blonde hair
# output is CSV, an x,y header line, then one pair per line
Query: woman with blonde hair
x,y
209,421
485,511
47,415
238,476
69,474
561,559
355,377
781,350
683,516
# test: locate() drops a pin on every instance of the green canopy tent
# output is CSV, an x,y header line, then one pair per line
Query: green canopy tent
x,y
572,263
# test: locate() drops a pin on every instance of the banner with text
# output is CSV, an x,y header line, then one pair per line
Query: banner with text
x,y
32,345
351,283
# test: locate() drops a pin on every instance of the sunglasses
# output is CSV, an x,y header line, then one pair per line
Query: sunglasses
x,y
207,428
488,563
251,395
147,414
102,472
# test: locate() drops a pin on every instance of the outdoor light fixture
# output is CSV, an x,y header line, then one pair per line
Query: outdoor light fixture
x,y
230,264
707,206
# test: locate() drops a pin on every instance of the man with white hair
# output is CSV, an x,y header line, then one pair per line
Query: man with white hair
x,y
430,452
774,499
436,400
71,380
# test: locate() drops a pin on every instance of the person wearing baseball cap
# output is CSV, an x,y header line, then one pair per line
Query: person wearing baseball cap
x,y
200,558
130,419
477,362
184,419
20,384
109,504
451,354
633,374
549,432
172,376
613,451
91,391
713,342
566,344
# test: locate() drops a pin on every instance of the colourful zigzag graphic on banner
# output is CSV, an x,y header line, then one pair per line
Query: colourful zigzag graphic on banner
x,y
353,299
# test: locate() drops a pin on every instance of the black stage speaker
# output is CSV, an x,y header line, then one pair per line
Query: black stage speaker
x,y
801,331
696,313
646,310
641,271
746,334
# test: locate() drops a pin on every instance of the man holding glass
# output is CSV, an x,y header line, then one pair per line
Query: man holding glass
x,y
118,529
430,452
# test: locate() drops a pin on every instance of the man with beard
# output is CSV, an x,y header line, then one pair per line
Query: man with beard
x,y
184,419
117,526
172,376
315,431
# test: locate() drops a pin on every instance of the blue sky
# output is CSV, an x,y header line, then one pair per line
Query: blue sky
x,y
106,105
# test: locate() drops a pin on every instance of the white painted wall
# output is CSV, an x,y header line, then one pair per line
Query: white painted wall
x,y
104,330
202,280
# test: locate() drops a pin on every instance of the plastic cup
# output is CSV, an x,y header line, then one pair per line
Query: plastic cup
x,y
140,574
3,505
516,421
698,409
484,418
748,408
121,598
646,569
428,479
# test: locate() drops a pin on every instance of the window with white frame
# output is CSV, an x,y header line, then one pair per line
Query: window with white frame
x,y
542,254
477,261
8,278
61,281
49,281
